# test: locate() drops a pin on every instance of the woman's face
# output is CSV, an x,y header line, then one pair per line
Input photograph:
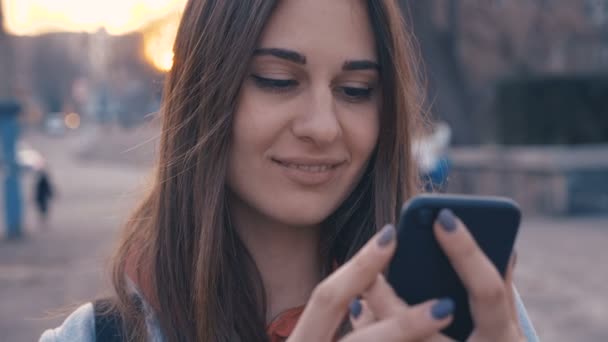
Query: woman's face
x,y
307,119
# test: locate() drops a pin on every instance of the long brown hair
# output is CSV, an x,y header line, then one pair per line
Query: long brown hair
x,y
203,281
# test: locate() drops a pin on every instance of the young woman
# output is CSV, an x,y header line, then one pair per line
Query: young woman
x,y
285,148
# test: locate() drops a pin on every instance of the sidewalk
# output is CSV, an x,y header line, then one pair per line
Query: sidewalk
x,y
561,274
56,268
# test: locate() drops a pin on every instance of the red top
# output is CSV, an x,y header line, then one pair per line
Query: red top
x,y
281,327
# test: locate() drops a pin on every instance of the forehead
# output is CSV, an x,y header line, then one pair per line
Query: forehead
x,y
321,28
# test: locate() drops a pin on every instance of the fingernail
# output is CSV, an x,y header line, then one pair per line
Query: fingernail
x,y
447,220
442,309
355,308
386,235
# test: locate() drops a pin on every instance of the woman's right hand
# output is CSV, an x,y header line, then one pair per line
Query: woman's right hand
x,y
361,277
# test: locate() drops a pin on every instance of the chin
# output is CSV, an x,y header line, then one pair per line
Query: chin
x,y
301,215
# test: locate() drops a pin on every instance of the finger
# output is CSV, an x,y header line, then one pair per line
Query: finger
x,y
415,323
485,286
360,314
330,299
509,287
381,302
382,299
439,338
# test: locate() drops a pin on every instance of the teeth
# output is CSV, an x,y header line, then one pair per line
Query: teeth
x,y
309,168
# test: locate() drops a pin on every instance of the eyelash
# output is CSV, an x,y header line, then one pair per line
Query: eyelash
x,y
273,84
352,94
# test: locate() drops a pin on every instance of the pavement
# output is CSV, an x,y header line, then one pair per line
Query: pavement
x,y
561,272
64,264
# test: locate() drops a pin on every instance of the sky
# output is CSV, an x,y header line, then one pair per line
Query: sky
x,y
31,17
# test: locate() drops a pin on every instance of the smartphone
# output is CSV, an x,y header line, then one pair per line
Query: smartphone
x,y
421,271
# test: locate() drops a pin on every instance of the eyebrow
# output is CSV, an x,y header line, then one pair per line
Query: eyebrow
x,y
299,58
360,65
289,55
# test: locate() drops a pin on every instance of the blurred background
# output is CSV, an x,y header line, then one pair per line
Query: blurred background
x,y
518,100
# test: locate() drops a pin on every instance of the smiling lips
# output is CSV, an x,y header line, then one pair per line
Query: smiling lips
x,y
309,171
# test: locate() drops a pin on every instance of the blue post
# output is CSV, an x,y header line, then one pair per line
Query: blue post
x,y
9,133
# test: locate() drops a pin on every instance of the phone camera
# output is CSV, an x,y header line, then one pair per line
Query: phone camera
x,y
426,217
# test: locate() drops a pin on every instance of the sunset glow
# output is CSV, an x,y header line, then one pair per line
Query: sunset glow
x,y
30,17
157,19
158,42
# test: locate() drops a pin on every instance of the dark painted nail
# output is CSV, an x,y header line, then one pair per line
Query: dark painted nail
x,y
355,308
442,309
447,220
386,235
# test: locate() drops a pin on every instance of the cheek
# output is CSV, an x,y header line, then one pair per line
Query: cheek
x,y
361,131
257,123
255,128
368,136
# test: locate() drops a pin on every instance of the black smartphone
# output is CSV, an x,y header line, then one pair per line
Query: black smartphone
x,y
420,270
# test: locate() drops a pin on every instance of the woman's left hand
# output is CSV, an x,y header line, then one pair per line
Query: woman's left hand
x,y
491,298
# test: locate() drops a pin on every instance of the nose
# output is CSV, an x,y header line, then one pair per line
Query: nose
x,y
317,121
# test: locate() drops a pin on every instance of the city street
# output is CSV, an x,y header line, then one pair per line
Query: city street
x,y
561,271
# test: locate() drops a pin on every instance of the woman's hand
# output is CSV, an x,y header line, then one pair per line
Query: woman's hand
x,y
393,319
492,299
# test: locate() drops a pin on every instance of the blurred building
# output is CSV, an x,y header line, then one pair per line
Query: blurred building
x,y
502,37
527,79
484,42
103,77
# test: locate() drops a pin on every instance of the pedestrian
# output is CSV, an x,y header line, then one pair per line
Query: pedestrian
x,y
430,152
43,194
285,149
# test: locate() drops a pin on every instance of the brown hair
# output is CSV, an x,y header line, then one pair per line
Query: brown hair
x,y
203,281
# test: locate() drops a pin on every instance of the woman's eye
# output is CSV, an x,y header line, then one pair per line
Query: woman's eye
x,y
356,94
273,83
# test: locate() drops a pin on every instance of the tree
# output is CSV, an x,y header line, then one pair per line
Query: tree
x,y
448,91
468,46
